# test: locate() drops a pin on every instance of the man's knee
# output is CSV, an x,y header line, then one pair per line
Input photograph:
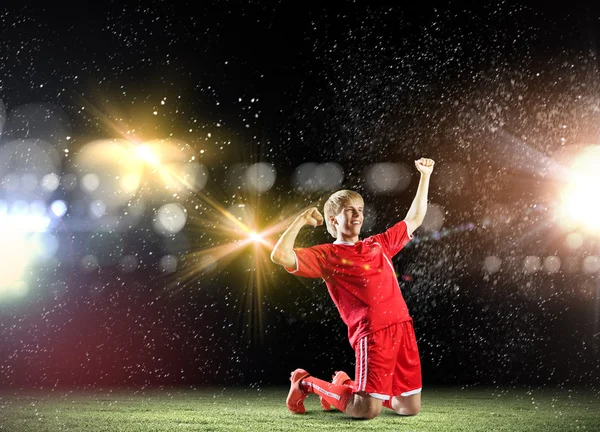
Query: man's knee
x,y
364,407
407,406
410,411
372,411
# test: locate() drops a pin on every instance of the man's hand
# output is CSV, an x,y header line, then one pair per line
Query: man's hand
x,y
283,252
425,166
311,217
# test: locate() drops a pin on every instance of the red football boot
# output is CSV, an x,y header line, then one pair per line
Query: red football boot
x,y
296,396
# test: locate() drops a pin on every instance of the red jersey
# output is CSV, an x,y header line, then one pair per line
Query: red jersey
x,y
360,278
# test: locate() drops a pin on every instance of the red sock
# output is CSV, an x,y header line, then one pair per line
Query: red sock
x,y
336,395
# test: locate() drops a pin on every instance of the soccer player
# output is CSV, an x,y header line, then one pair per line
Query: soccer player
x,y
362,283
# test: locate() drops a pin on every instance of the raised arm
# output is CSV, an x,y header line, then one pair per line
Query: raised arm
x,y
418,209
283,252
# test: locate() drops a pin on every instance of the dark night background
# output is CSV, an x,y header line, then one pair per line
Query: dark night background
x,y
492,91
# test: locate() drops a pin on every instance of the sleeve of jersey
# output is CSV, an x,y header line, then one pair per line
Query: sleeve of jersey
x,y
394,238
310,262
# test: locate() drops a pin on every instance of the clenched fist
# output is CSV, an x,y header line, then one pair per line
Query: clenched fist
x,y
425,166
312,217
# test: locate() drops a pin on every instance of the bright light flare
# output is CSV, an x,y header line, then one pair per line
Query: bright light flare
x,y
14,259
145,153
18,250
22,223
579,203
235,235
255,237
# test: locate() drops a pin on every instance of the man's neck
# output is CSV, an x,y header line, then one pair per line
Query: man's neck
x,y
346,239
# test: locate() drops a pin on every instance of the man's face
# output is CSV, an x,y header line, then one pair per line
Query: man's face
x,y
350,218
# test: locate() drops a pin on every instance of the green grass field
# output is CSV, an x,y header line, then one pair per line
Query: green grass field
x,y
217,409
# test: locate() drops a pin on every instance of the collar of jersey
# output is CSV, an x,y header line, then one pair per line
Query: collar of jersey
x,y
344,243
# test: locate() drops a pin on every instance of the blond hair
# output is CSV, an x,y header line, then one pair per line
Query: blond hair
x,y
334,205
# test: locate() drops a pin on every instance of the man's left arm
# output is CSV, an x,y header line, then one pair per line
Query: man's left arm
x,y
416,214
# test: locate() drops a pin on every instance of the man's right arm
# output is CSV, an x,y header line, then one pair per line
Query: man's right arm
x,y
283,252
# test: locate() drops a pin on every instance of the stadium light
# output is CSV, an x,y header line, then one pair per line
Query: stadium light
x,y
579,203
14,259
18,249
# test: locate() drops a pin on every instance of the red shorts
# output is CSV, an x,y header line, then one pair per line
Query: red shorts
x,y
387,362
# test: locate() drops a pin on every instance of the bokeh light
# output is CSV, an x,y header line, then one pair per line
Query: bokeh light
x,y
97,209
552,264
532,264
591,264
329,176
434,219
168,264
58,208
90,182
128,263
492,264
304,176
574,240
387,177
313,177
170,219
260,177
89,263
50,182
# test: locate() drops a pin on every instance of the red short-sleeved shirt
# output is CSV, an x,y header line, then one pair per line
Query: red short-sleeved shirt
x,y
360,278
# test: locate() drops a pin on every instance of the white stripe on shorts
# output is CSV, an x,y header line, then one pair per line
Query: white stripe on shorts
x,y
364,366
380,396
358,366
410,393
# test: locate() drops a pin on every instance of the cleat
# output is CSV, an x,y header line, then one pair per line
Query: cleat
x,y
338,378
296,396
324,404
341,378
